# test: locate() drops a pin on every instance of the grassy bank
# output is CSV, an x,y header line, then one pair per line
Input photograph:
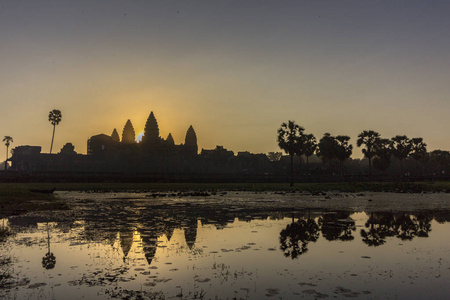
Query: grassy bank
x,y
16,198
20,191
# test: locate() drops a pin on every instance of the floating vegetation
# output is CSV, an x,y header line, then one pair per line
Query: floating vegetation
x,y
120,293
103,277
5,232
5,272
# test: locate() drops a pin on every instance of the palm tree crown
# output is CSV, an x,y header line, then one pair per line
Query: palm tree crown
x,y
310,145
290,139
8,140
369,138
418,149
54,117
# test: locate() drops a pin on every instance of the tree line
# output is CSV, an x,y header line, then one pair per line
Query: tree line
x,y
293,140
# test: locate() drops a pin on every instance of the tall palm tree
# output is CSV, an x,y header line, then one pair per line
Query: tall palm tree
x,y
290,138
310,145
326,148
401,148
343,150
8,140
418,150
383,152
369,139
54,117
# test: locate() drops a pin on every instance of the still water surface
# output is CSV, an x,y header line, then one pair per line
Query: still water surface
x,y
130,246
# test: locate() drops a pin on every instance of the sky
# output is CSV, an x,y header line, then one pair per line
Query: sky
x,y
234,70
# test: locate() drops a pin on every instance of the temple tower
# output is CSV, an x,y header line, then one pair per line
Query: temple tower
x,y
128,134
151,132
190,142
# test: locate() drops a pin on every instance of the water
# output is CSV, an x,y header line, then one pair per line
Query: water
x,y
222,247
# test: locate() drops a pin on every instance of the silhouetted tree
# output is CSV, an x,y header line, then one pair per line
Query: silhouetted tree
x,y
382,158
343,150
274,156
290,140
151,132
401,147
68,149
332,148
440,161
326,149
128,135
418,150
190,141
310,145
54,117
115,136
8,140
368,138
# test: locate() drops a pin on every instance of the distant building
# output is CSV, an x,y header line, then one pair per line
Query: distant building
x,y
26,158
100,145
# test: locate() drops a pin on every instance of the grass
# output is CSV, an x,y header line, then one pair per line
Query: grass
x,y
16,198
21,191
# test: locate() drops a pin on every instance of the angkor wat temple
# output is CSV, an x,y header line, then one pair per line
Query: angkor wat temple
x,y
124,152
153,157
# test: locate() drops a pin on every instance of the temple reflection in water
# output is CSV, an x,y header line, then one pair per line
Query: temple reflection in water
x,y
128,223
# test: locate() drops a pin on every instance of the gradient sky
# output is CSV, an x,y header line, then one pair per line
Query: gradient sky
x,y
235,70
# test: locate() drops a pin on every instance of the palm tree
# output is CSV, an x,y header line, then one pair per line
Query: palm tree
x,y
8,140
343,150
290,138
54,117
383,151
326,148
369,138
401,148
418,150
310,145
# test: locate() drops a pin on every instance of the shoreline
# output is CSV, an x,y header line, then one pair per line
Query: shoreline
x,y
17,198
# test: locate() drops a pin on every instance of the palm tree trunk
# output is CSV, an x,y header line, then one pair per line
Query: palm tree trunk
x,y
370,167
6,161
292,170
53,136
417,167
307,166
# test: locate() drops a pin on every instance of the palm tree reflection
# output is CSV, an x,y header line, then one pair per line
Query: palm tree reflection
x,y
424,224
380,226
49,260
401,225
337,226
296,236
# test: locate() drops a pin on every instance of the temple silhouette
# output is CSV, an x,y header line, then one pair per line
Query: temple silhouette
x,y
153,157
104,146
